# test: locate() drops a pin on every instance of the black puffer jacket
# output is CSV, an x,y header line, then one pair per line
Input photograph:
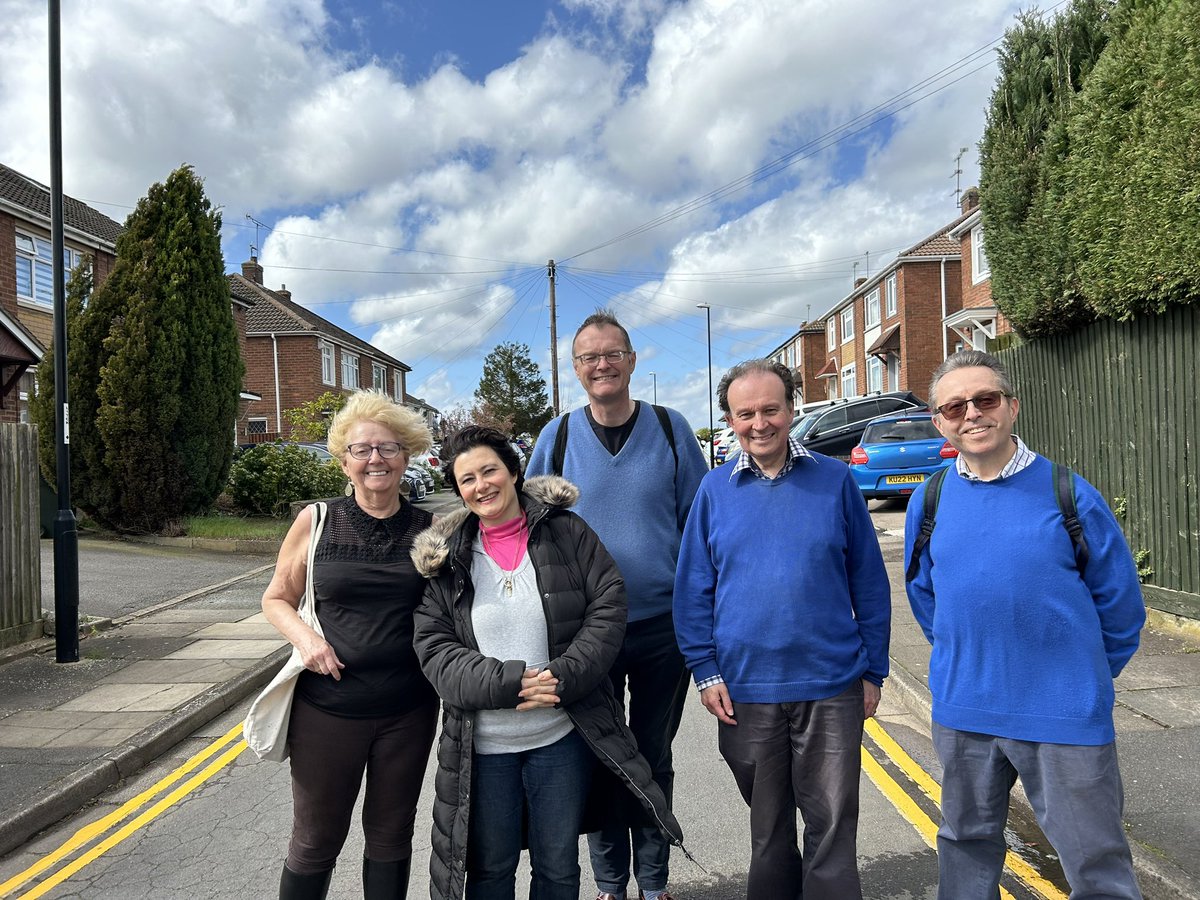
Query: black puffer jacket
x,y
583,597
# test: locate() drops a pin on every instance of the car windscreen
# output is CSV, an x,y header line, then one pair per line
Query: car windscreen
x,y
801,428
900,430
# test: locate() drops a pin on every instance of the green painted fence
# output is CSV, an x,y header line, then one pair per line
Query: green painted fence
x,y
1119,402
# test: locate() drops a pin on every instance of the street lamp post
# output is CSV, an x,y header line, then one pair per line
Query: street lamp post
x,y
708,331
654,377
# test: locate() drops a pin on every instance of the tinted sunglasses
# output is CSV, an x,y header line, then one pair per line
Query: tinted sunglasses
x,y
984,402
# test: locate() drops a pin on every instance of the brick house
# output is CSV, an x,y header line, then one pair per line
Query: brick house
x,y
978,321
804,354
294,355
26,277
888,333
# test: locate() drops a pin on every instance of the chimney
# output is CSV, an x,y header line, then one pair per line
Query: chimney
x,y
859,282
283,291
970,200
252,271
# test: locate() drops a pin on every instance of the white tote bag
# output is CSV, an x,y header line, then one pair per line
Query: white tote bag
x,y
266,724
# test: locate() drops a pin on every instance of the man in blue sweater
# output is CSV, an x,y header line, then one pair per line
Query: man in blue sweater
x,y
635,489
783,611
1025,646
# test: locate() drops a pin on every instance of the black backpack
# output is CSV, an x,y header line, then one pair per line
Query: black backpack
x,y
1064,493
560,440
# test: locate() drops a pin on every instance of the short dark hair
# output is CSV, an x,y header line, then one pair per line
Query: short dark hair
x,y
473,436
602,317
749,367
969,359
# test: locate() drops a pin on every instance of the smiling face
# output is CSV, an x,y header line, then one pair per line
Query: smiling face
x,y
374,475
605,381
761,415
486,485
983,438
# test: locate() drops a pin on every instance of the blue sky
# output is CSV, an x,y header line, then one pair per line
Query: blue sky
x,y
417,163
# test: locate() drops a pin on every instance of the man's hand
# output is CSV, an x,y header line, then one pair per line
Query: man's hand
x,y
871,694
716,701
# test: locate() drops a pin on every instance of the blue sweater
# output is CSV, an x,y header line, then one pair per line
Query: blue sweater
x,y
781,588
634,501
1023,646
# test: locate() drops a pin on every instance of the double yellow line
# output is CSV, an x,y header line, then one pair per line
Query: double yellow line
x,y
225,750
917,817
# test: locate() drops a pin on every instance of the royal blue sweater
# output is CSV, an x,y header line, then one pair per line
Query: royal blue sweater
x,y
1023,646
781,588
637,501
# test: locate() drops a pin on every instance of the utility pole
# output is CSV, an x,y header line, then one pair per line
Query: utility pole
x,y
66,537
957,176
553,338
712,463
654,377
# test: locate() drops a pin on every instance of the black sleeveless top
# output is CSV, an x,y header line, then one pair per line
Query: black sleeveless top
x,y
367,589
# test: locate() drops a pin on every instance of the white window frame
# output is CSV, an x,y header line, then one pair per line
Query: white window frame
x,y
328,370
349,370
398,387
35,256
847,319
831,331
378,377
980,269
893,372
250,423
850,374
874,374
872,306
890,305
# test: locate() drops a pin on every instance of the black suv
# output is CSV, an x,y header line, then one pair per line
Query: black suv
x,y
835,430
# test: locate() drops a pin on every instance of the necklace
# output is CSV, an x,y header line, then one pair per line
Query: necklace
x,y
507,575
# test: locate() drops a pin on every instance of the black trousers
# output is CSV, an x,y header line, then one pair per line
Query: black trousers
x,y
329,755
804,755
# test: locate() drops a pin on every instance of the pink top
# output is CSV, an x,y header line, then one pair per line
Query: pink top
x,y
505,543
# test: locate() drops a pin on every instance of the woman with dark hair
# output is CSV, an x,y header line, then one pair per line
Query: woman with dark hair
x,y
521,621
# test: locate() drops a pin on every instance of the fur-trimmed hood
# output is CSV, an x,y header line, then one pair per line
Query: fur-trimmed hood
x,y
431,548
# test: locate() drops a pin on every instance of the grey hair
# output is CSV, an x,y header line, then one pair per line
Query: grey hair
x,y
969,359
753,366
603,317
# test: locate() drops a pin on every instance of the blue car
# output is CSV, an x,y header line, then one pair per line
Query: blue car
x,y
897,453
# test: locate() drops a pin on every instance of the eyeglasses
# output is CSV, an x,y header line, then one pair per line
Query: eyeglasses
x,y
386,449
593,359
984,402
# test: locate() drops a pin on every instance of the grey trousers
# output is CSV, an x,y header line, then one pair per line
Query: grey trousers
x,y
801,755
1075,792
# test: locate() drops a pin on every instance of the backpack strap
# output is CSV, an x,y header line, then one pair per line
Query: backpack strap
x,y
664,419
1064,493
933,494
558,457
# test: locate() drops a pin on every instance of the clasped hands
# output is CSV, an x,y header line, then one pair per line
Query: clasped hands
x,y
539,690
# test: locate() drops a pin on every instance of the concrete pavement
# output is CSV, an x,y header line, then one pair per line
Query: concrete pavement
x,y
67,732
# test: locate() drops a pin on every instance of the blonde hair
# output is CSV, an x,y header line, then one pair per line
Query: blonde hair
x,y
375,406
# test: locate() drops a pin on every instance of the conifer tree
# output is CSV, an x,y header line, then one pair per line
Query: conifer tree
x,y
513,388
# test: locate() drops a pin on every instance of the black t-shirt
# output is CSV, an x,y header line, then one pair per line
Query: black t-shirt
x,y
367,589
613,437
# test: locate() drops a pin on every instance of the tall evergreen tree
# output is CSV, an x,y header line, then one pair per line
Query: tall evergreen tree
x,y
513,387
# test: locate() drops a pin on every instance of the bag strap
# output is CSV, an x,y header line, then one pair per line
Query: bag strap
x,y
1064,493
558,457
664,419
933,494
308,603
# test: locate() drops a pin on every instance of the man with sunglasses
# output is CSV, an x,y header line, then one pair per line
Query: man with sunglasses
x,y
1027,639
637,468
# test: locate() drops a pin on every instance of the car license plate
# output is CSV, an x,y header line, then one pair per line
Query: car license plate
x,y
904,479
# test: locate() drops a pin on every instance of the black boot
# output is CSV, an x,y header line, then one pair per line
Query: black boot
x,y
385,880
294,886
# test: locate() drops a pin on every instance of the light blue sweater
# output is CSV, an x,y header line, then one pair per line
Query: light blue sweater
x,y
781,588
1023,646
634,501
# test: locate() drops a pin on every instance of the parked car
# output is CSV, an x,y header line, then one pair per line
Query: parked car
x,y
837,428
426,474
898,453
313,448
430,457
416,484
724,445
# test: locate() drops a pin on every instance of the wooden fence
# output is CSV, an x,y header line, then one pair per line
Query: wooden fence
x,y
20,530
1120,403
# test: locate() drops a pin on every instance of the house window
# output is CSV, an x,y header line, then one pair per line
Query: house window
x,y
847,323
850,380
327,373
349,370
890,287
27,389
35,268
979,263
872,309
379,377
398,394
256,426
832,331
874,374
893,372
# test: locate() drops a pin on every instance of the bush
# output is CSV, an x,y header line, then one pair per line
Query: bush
x,y
267,478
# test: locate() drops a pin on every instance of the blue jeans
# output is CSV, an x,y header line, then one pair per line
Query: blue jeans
x,y
551,785
1075,791
658,685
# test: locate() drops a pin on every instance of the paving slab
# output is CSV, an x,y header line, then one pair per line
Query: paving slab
x,y
179,671
238,630
134,697
227,649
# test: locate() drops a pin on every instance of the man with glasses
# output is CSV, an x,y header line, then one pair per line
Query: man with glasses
x,y
1028,635
637,468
